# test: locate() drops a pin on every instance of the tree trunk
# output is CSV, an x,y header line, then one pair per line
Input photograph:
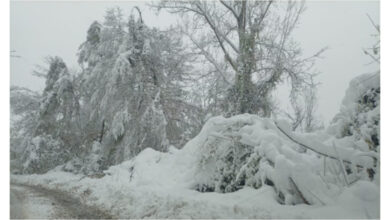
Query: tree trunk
x,y
101,132
244,85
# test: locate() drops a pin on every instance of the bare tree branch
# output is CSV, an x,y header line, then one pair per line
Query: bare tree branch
x,y
218,36
230,9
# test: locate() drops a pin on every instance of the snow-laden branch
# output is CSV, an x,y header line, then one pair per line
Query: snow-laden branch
x,y
344,154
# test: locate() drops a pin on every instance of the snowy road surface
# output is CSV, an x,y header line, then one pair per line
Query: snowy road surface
x,y
39,203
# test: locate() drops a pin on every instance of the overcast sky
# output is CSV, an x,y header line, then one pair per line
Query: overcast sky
x,y
40,29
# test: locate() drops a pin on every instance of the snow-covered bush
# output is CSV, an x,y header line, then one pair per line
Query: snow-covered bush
x,y
117,126
93,162
246,150
357,124
225,156
24,105
44,153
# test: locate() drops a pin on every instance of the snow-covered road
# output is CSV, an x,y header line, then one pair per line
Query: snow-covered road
x,y
39,203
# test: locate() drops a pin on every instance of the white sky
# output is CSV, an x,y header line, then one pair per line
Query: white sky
x,y
40,29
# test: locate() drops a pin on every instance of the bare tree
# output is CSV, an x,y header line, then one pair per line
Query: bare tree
x,y
298,115
252,38
304,104
310,97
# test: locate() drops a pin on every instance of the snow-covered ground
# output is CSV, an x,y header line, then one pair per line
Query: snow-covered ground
x,y
34,202
161,185
125,200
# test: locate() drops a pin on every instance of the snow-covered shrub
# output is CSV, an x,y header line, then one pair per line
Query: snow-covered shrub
x,y
228,165
24,105
117,126
225,156
357,125
44,153
246,150
93,162
250,172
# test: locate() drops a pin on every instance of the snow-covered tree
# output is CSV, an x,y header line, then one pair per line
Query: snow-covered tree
x,y
253,38
59,106
55,137
303,102
133,97
88,50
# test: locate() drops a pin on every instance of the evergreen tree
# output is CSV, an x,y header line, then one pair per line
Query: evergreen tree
x,y
55,138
